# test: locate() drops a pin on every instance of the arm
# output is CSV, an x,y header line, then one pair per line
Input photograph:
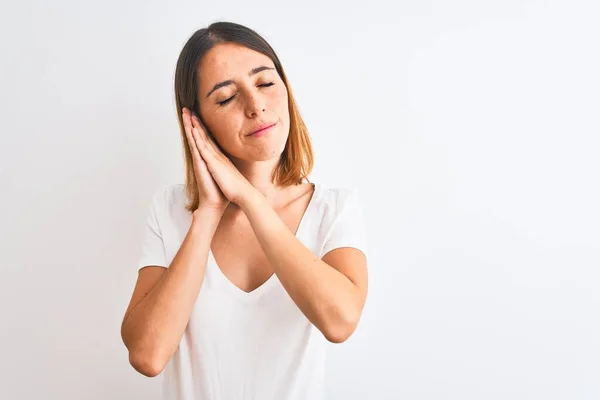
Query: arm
x,y
330,292
153,326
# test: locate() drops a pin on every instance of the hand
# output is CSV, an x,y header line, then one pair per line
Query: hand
x,y
234,186
210,194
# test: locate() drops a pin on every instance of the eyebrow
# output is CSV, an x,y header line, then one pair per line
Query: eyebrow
x,y
229,81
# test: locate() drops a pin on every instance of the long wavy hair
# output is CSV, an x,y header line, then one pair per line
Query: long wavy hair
x,y
296,161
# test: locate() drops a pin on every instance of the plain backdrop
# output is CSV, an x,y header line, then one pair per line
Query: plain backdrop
x,y
470,128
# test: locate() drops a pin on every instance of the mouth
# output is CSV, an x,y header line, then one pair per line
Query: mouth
x,y
262,130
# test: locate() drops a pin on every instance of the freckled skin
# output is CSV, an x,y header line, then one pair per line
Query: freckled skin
x,y
251,106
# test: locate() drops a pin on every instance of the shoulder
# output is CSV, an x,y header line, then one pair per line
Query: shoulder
x,y
337,197
169,192
342,221
336,202
168,199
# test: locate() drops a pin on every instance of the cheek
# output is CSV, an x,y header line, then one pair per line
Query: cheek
x,y
225,126
217,119
280,101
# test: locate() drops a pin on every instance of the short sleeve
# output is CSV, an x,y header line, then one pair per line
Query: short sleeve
x,y
348,228
152,248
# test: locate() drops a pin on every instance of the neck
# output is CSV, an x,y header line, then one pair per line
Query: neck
x,y
258,173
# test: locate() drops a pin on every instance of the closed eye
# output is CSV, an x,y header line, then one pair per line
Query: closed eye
x,y
222,103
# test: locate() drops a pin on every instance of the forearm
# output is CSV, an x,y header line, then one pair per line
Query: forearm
x,y
153,329
324,295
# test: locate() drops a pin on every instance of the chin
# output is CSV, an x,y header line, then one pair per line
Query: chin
x,y
265,152
267,149
265,155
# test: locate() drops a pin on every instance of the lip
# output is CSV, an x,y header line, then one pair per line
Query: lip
x,y
262,129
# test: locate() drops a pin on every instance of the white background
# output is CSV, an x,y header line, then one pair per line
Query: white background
x,y
470,128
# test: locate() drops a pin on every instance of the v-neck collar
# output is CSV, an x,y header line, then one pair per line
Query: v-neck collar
x,y
270,282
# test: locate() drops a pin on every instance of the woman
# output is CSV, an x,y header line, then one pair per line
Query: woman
x,y
248,270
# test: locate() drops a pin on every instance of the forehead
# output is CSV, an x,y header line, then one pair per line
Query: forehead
x,y
228,61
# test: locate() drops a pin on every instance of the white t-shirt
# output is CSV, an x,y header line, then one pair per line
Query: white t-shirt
x,y
256,345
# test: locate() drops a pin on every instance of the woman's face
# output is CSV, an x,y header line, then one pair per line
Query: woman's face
x,y
239,92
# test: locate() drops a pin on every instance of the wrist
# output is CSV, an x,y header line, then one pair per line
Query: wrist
x,y
251,199
207,215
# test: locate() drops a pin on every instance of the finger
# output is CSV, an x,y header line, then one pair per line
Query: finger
x,y
192,145
200,164
212,145
187,122
201,144
190,141
200,126
201,129
209,158
185,114
202,167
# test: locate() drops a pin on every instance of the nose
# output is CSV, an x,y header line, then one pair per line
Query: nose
x,y
255,105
